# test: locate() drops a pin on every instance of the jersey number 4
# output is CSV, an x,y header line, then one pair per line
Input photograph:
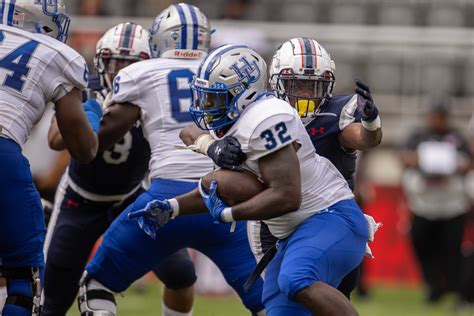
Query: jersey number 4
x,y
269,135
185,76
17,63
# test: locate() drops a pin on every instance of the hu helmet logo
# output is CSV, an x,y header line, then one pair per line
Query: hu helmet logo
x,y
247,70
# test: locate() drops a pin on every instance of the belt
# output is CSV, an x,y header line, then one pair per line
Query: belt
x,y
261,265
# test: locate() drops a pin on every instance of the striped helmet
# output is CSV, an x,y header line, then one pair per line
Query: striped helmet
x,y
180,31
47,17
302,73
228,79
125,42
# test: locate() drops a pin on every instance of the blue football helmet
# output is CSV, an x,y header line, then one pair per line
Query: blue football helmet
x,y
228,79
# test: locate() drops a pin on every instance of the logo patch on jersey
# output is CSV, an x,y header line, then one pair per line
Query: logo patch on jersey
x,y
247,70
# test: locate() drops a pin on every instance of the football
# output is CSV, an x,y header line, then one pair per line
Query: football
x,y
233,187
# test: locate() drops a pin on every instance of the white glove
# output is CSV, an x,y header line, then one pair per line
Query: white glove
x,y
372,226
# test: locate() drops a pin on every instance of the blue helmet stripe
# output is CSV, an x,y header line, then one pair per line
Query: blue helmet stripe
x,y
200,73
10,12
184,26
308,52
1,11
192,9
216,57
127,35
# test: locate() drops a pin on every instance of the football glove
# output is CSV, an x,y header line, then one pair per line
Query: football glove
x,y
365,102
226,153
214,204
154,216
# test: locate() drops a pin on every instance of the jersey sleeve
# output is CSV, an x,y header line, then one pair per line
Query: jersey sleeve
x,y
271,135
349,113
125,89
75,74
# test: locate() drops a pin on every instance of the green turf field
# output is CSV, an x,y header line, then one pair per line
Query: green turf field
x,y
384,301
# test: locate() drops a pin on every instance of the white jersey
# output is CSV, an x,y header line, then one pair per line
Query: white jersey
x,y
34,69
161,88
270,124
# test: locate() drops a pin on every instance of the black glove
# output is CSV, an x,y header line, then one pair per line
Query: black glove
x,y
226,153
365,103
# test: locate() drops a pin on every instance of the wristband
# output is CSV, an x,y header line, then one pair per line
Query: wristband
x,y
372,125
175,207
226,215
203,142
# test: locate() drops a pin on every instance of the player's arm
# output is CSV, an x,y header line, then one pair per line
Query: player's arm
x,y
226,152
368,134
356,137
55,139
73,124
280,171
190,134
117,121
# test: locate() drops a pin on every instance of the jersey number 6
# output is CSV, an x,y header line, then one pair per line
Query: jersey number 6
x,y
179,95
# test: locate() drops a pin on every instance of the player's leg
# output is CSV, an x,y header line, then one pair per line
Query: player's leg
x,y
231,252
178,275
127,253
319,253
78,226
176,272
22,232
276,303
349,283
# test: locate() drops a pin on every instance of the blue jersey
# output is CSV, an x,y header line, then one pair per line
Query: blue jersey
x,y
324,130
116,171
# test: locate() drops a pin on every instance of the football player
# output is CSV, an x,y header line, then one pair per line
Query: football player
x,y
87,201
302,73
157,93
307,205
36,67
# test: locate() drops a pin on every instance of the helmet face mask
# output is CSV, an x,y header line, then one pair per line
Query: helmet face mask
x,y
302,73
213,108
119,47
227,81
304,92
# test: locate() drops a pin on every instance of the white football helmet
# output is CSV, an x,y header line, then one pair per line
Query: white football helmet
x,y
120,46
302,73
180,31
228,79
47,17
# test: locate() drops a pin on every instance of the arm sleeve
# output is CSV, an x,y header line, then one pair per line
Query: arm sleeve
x,y
271,135
349,113
75,74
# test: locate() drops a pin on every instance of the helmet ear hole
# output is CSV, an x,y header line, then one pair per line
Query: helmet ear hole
x,y
47,29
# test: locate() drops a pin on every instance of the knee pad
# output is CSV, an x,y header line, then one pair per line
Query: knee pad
x,y
177,271
94,298
23,291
